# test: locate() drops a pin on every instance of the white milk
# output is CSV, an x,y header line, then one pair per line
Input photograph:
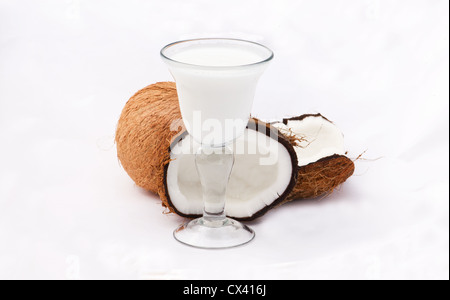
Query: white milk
x,y
220,55
216,86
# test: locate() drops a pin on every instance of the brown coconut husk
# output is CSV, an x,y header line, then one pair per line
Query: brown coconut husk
x,y
322,177
150,121
144,134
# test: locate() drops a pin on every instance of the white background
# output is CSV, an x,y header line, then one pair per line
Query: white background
x,y
378,69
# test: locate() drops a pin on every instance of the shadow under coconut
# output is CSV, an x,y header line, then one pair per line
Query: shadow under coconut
x,y
146,193
340,194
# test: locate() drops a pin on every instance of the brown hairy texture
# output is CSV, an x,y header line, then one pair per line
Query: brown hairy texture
x,y
144,134
151,121
294,139
322,177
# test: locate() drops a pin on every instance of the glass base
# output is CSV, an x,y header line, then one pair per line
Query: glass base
x,y
214,234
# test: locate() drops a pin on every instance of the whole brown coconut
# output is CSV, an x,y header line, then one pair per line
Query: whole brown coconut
x,y
143,135
150,121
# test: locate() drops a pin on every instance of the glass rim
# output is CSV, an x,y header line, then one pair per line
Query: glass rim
x,y
164,56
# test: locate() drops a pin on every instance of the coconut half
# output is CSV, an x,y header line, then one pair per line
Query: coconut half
x,y
322,164
263,175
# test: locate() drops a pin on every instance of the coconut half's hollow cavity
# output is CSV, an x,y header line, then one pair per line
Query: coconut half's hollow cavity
x,y
263,175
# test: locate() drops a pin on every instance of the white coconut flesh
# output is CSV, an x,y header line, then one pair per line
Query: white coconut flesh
x,y
262,172
319,137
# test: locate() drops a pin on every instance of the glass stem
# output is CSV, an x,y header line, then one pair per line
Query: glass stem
x,y
214,166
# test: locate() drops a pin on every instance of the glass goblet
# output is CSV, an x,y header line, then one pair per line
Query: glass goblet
x,y
216,80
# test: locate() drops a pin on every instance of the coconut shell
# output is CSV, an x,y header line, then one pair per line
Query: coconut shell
x,y
321,177
150,121
147,125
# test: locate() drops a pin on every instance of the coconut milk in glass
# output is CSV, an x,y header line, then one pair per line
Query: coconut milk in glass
x,y
216,85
